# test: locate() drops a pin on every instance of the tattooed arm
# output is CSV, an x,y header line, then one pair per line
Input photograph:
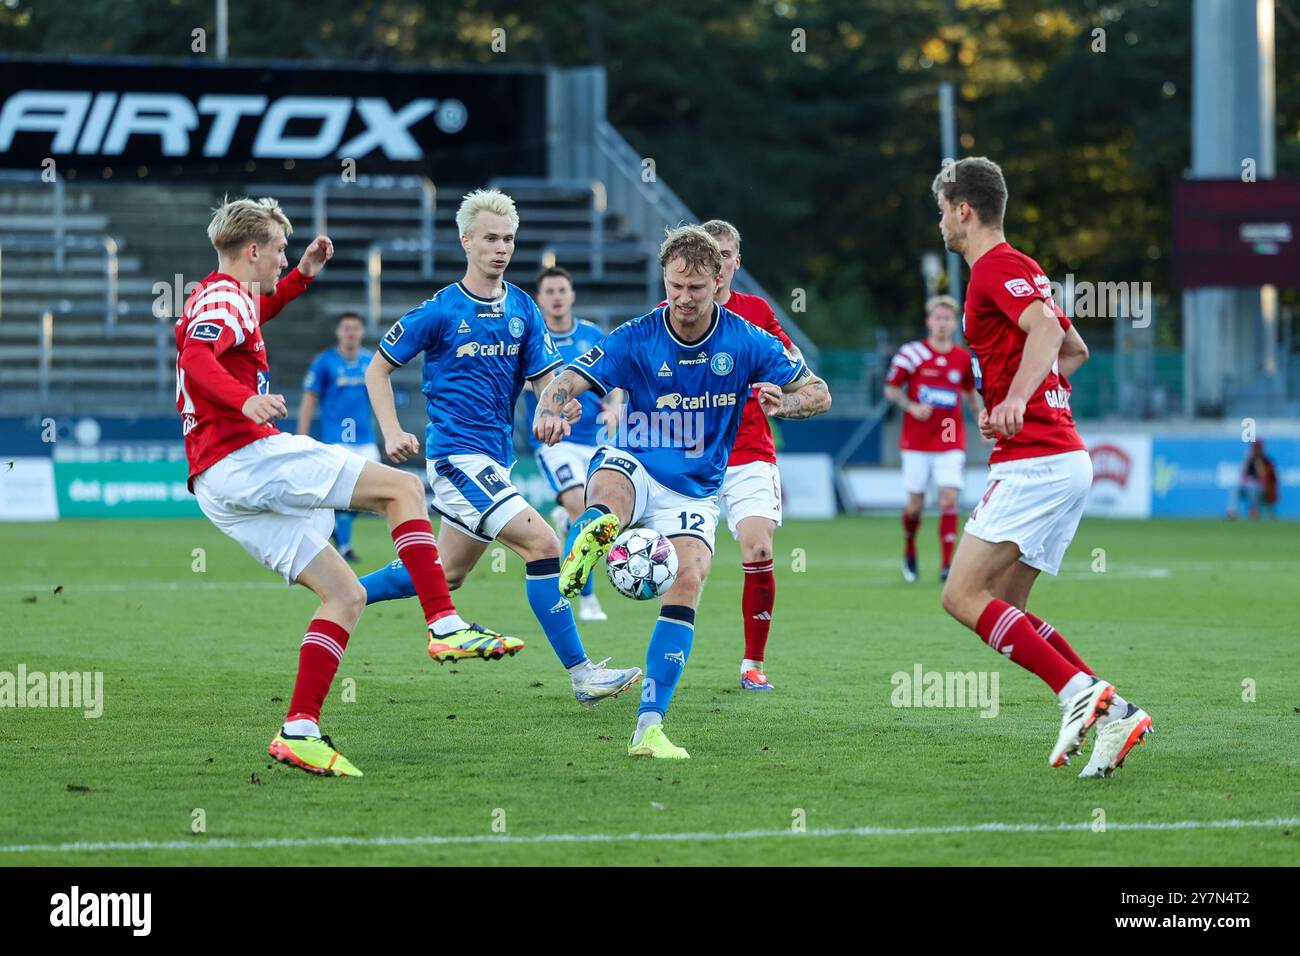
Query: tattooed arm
x,y
556,405
804,397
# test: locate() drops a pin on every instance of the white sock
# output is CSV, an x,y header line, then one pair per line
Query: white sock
x,y
748,665
580,669
648,719
301,728
1075,684
448,625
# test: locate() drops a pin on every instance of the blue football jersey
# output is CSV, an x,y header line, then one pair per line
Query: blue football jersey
x,y
341,385
685,399
477,355
570,345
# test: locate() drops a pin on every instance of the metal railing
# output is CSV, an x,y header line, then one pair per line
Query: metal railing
x,y
422,184
553,252
106,244
648,206
596,211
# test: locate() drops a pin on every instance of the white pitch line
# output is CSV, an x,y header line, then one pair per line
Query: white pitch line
x,y
200,843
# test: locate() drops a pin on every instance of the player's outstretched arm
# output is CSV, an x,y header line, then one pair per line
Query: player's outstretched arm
x,y
551,421
399,445
802,397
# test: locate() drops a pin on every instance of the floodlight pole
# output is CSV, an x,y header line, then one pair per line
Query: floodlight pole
x,y
223,30
948,140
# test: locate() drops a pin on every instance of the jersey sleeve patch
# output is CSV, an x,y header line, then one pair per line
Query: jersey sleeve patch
x,y
590,357
207,331
1019,287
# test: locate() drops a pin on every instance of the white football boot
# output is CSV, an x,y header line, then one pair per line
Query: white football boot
x,y
1115,738
1078,714
589,609
595,682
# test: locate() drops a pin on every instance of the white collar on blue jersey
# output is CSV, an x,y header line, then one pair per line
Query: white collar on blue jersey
x,y
713,325
505,291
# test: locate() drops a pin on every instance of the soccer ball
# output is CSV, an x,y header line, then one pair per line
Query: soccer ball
x,y
642,564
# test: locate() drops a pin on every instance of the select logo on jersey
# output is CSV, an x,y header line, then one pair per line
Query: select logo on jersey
x,y
665,371
722,364
464,327
591,356
394,333
487,350
1019,288
516,326
687,403
938,397
206,332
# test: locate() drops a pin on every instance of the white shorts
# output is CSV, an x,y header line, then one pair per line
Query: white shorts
x,y
947,468
1035,502
752,490
565,465
659,508
277,497
369,451
474,493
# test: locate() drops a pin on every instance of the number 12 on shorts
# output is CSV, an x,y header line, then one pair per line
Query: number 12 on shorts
x,y
696,521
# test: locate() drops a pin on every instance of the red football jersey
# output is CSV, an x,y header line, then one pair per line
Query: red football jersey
x,y
221,362
754,438
937,379
1003,282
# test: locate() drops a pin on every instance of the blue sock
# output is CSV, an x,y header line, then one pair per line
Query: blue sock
x,y
553,612
389,583
665,658
343,529
574,528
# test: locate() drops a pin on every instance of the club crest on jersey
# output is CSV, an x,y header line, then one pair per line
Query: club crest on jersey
x,y
1019,288
206,332
954,376
394,333
665,371
591,356
722,363
464,327
516,326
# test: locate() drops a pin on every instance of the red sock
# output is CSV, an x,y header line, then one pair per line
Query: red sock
x,y
1006,629
1062,646
756,603
318,659
947,535
911,523
418,550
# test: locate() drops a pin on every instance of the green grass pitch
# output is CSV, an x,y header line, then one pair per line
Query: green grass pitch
x,y
481,762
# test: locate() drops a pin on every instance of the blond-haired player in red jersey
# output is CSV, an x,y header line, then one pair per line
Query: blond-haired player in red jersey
x,y
752,489
276,493
928,380
1023,349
